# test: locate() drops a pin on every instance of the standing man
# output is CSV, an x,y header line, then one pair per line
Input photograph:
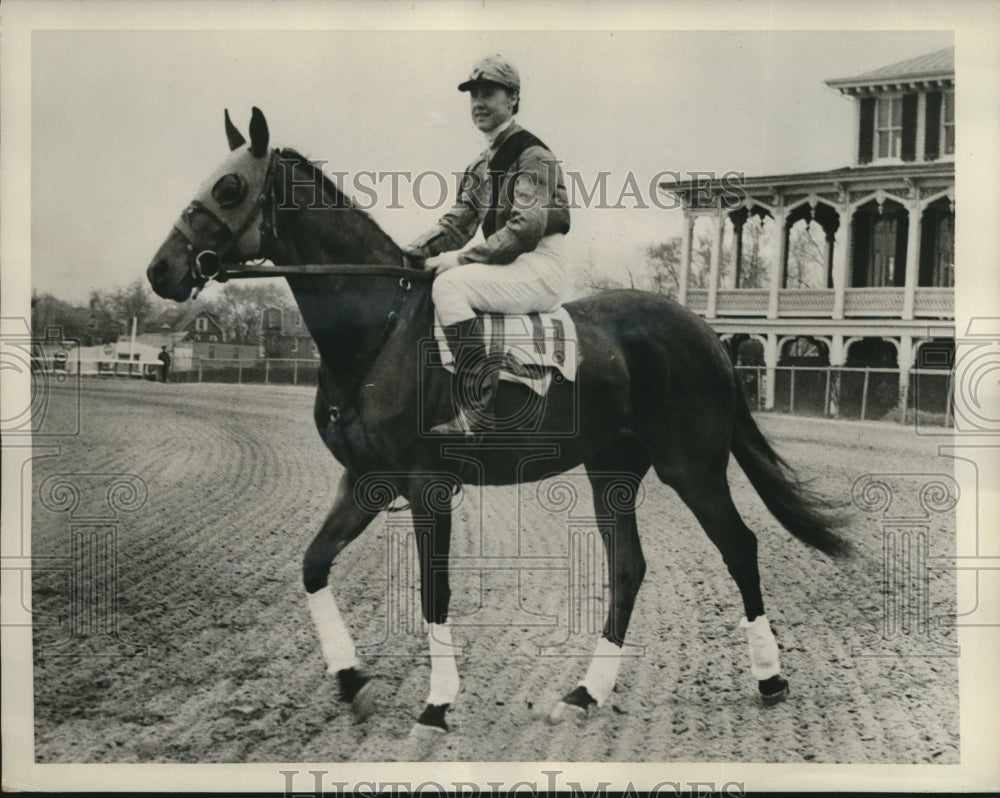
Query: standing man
x,y
515,191
164,358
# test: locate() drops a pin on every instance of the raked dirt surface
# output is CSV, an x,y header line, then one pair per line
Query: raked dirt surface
x,y
208,585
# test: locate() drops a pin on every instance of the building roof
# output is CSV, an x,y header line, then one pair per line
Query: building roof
x,y
701,195
177,319
928,69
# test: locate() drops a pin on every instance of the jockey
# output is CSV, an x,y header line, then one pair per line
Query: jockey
x,y
514,190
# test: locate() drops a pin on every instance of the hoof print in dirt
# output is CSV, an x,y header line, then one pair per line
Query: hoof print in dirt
x,y
773,691
432,719
574,705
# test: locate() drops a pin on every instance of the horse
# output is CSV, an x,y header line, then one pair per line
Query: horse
x,y
654,390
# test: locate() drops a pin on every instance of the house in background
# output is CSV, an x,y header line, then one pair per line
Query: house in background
x,y
285,336
197,331
880,288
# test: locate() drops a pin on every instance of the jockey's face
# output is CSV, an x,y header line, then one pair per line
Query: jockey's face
x,y
491,105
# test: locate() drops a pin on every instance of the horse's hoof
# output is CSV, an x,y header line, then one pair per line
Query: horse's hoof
x,y
574,705
431,720
773,691
364,702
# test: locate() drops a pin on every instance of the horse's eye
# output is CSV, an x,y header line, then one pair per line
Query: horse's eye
x,y
229,190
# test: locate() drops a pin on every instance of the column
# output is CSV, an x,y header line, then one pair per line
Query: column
x,y
841,259
837,355
770,373
718,220
905,358
912,258
686,237
738,218
778,262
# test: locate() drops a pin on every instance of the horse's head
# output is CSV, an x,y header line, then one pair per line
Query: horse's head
x,y
226,223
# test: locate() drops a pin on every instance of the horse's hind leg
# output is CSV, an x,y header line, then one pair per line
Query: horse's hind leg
x,y
430,499
346,521
615,477
706,492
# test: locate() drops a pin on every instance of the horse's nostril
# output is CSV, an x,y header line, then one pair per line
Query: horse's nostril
x,y
158,271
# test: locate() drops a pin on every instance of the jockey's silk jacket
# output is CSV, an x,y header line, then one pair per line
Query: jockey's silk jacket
x,y
531,207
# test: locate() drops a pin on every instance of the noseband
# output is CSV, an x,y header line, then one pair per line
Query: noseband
x,y
208,263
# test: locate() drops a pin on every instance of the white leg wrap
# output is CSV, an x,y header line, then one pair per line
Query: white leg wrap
x,y
603,670
444,670
334,638
763,648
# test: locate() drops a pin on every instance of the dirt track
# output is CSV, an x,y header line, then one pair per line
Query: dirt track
x,y
208,580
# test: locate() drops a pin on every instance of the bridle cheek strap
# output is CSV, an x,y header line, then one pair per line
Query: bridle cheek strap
x,y
241,240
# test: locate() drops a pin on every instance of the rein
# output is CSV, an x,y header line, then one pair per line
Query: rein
x,y
406,276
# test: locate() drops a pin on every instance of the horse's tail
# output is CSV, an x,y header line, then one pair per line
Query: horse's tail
x,y
804,513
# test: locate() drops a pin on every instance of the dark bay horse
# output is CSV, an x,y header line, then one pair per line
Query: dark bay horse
x,y
654,389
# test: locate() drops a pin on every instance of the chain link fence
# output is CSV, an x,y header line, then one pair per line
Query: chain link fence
x,y
854,393
824,392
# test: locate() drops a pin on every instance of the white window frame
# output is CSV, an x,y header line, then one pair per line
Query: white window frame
x,y
945,125
893,131
201,324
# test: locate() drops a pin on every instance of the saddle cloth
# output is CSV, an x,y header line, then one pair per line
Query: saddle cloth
x,y
535,347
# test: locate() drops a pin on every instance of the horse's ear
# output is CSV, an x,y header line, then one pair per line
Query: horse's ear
x,y
258,133
236,139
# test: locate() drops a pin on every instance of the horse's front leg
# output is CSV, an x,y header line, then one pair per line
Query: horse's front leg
x,y
430,501
346,521
615,495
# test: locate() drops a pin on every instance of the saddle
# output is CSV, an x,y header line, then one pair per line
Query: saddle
x,y
535,347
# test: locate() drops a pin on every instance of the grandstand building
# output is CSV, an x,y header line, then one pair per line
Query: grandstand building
x,y
852,267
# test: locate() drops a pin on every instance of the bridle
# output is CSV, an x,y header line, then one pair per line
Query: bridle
x,y
234,217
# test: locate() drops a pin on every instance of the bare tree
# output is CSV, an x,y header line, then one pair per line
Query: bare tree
x,y
806,257
135,301
239,308
664,263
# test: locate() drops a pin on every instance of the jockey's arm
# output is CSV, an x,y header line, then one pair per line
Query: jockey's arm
x,y
527,213
454,229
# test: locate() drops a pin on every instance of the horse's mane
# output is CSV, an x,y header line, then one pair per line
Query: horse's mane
x,y
340,199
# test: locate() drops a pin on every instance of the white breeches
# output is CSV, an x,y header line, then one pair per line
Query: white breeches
x,y
535,281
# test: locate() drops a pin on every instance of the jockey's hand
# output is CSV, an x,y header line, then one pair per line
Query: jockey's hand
x,y
445,261
416,255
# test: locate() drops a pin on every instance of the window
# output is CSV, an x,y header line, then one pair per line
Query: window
x,y
297,319
944,252
948,123
213,338
883,263
888,127
201,324
295,344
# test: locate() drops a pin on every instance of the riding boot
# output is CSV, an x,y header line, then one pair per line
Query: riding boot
x,y
474,382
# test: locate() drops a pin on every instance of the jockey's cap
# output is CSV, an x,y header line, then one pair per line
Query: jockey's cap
x,y
493,69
